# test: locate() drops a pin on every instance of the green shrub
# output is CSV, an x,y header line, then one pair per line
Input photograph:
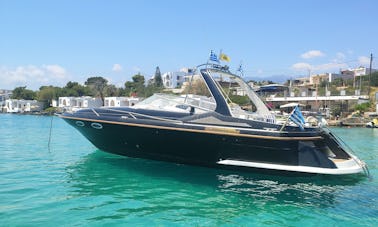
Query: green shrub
x,y
363,107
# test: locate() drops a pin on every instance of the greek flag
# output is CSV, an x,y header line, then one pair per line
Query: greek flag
x,y
297,117
240,69
213,57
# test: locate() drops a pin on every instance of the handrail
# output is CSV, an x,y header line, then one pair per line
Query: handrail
x,y
349,150
133,114
189,104
94,111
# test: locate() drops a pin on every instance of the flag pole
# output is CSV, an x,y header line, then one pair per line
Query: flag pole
x,y
207,63
287,120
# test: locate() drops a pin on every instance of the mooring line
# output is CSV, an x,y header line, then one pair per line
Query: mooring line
x,y
48,145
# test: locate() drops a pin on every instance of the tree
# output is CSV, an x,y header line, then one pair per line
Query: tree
x,y
97,85
374,79
138,79
154,85
48,93
198,87
23,93
158,81
111,90
240,100
136,86
323,83
75,89
363,107
338,82
71,85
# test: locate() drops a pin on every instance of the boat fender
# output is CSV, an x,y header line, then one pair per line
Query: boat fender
x,y
96,125
80,123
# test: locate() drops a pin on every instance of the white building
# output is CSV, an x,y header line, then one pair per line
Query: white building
x,y
120,101
360,71
66,102
54,103
4,95
72,103
88,102
300,82
316,79
21,106
173,79
176,79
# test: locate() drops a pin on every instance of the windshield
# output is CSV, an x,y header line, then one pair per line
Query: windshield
x,y
213,90
242,101
193,96
177,103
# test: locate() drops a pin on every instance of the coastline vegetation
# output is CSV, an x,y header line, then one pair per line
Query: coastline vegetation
x,y
96,86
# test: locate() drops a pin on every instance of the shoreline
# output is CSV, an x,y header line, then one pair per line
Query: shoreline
x,y
32,113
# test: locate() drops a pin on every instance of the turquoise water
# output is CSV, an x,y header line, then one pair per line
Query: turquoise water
x,y
75,184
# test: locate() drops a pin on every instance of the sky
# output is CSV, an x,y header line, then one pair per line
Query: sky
x,y
53,42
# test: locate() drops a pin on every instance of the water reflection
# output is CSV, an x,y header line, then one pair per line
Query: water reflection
x,y
158,193
103,174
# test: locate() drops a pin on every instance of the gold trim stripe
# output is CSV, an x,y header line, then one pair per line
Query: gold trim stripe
x,y
222,129
225,132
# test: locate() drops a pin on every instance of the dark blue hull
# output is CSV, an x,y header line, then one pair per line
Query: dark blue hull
x,y
201,144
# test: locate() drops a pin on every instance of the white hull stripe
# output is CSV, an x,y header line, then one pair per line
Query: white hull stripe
x,y
355,168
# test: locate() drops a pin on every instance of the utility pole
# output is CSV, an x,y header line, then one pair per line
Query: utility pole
x,y
371,61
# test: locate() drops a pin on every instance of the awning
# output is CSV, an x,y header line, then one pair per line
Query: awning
x,y
292,104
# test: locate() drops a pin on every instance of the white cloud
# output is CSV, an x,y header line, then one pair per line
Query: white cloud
x,y
33,76
312,54
364,60
117,68
330,67
340,57
322,68
340,61
300,66
56,69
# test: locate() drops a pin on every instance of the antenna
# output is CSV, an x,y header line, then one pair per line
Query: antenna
x,y
371,61
240,69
